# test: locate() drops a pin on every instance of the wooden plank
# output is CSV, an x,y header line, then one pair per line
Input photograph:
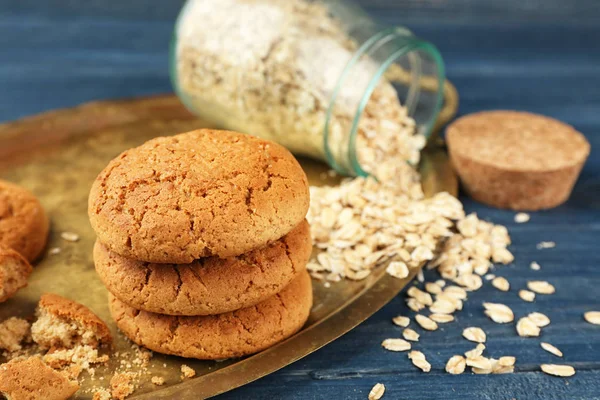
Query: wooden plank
x,y
530,10
415,386
536,55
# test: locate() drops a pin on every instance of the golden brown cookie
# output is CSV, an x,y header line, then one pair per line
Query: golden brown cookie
x,y
23,222
14,271
31,379
198,194
207,286
516,160
63,323
232,334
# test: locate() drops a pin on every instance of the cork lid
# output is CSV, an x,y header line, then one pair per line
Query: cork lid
x,y
517,141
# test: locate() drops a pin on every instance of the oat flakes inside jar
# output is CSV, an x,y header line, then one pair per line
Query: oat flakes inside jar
x,y
320,77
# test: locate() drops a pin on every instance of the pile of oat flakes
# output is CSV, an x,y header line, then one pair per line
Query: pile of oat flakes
x,y
365,222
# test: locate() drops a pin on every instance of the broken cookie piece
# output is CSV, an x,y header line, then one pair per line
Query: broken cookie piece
x,y
13,332
79,358
63,323
14,271
31,379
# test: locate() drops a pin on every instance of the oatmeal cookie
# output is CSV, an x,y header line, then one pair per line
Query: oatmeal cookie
x,y
23,221
207,286
14,271
232,334
198,194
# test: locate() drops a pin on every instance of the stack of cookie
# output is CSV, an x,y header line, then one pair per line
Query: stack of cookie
x,y
203,244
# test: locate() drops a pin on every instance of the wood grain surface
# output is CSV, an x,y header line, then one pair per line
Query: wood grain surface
x,y
535,55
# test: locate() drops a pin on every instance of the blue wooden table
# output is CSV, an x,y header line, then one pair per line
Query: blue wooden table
x,y
536,55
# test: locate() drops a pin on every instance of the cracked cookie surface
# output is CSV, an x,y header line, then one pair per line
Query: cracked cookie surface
x,y
209,285
198,194
23,221
232,334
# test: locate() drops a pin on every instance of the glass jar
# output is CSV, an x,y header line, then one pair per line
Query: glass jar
x,y
319,77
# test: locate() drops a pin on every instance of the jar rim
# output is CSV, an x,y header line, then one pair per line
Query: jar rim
x,y
404,48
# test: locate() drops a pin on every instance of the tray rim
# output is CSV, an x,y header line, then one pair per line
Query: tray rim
x,y
56,125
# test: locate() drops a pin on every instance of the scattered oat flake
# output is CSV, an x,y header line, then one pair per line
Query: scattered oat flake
x,y
410,334
507,361
421,296
397,269
456,365
480,362
476,352
396,345
426,323
521,218
419,361
546,245
69,236
558,370
539,319
471,282
414,304
401,321
441,318
535,266
377,392
593,317
501,283
456,292
474,334
433,288
527,328
499,313
442,306
489,277
504,365
527,295
551,349
541,287
481,371
187,372
54,251
441,283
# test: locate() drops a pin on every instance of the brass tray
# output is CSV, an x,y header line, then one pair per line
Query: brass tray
x,y
58,154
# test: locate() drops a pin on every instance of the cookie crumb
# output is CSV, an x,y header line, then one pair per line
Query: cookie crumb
x,y
101,394
187,372
13,332
79,357
122,385
158,380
